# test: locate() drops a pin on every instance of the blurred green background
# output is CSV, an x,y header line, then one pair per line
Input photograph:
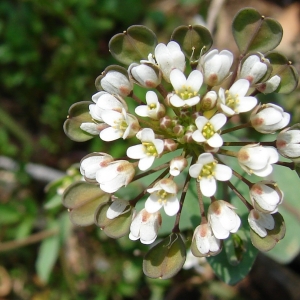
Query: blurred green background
x,y
51,51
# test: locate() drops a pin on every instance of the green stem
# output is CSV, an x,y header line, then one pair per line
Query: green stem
x,y
248,205
290,165
201,204
182,198
162,90
137,177
239,176
228,152
236,128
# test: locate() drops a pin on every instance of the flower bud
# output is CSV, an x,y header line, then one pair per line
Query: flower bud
x,y
253,68
209,101
215,66
178,130
259,222
177,165
147,76
170,145
145,226
115,82
256,159
116,208
266,196
268,118
165,122
269,86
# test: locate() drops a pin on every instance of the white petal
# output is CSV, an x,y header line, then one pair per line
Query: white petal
x,y
222,172
142,110
208,186
240,87
198,136
116,208
218,230
200,122
176,101
205,158
177,79
147,135
136,152
172,206
192,101
215,141
195,170
246,104
110,134
152,204
195,80
218,121
146,162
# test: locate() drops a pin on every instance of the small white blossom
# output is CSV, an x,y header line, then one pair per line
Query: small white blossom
x,y
145,75
253,69
145,226
186,90
92,163
288,142
260,222
234,101
209,101
266,196
115,175
223,219
122,125
207,170
269,118
163,194
169,57
215,66
116,208
146,152
154,109
207,131
115,82
207,244
258,160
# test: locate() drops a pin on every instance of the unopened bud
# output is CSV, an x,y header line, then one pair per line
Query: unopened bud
x,y
170,145
209,101
147,76
178,130
177,165
165,122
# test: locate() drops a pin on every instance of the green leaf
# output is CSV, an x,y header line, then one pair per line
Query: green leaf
x,y
78,114
133,45
166,258
83,199
283,68
47,256
117,227
253,32
274,236
194,40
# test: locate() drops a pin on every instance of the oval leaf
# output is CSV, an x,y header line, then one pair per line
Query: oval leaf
x,y
253,32
283,68
133,45
78,114
114,228
274,236
166,258
82,199
194,40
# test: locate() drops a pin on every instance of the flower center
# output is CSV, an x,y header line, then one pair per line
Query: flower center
x,y
121,124
163,196
186,93
231,100
150,149
152,106
208,130
208,170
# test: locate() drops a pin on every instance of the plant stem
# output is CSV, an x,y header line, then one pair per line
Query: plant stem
x,y
137,177
248,205
236,128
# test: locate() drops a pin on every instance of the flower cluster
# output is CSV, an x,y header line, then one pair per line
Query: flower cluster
x,y
186,116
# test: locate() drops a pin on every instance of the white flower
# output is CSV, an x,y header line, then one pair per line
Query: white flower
x,y
186,90
207,130
216,66
207,244
207,170
121,125
163,194
105,101
115,82
253,69
145,226
288,142
116,208
169,57
153,109
115,175
233,101
270,85
145,75
146,152
256,159
92,163
223,219
177,165
266,196
269,118
259,222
